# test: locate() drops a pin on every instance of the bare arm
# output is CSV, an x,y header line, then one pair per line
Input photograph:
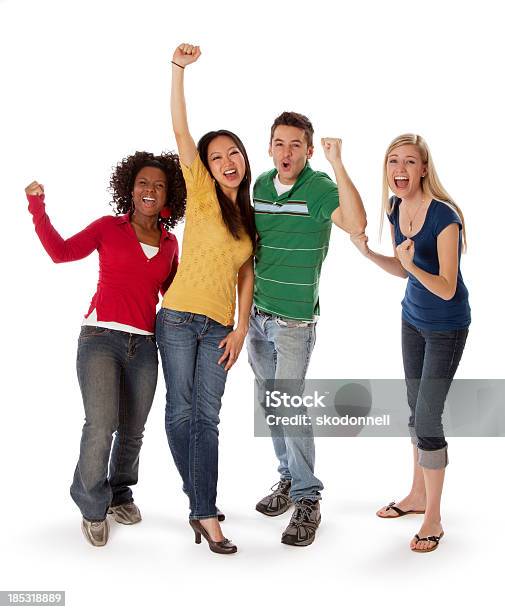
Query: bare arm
x,y
234,340
445,282
245,287
392,265
183,56
350,214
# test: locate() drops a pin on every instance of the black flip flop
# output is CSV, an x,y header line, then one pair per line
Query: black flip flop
x,y
435,539
399,511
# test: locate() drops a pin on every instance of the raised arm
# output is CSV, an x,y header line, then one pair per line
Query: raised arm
x,y
59,249
183,56
350,214
392,265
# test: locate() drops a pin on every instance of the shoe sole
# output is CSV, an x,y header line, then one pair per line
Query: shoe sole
x,y
271,513
301,544
418,550
401,515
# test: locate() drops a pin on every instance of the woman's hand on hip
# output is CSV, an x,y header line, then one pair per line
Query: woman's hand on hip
x,y
232,345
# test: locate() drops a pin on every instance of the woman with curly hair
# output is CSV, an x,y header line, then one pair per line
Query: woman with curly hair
x,y
194,328
117,362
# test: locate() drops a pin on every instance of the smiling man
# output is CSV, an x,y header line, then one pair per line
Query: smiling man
x,y
295,208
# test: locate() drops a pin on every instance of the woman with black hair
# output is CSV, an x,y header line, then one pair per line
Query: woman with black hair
x,y
194,329
117,362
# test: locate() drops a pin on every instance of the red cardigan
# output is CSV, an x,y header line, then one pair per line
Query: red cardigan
x,y
128,282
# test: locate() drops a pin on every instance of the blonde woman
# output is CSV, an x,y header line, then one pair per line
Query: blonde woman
x,y
428,235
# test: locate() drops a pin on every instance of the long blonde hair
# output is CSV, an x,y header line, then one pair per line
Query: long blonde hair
x,y
430,183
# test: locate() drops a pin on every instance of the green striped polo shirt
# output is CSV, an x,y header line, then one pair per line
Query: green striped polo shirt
x,y
293,238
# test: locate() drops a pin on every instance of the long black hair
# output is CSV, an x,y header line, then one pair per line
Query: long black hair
x,y
237,217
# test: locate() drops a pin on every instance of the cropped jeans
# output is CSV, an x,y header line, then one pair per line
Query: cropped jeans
x,y
280,349
430,361
117,373
189,349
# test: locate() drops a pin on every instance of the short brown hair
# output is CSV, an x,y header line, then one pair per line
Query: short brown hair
x,y
295,120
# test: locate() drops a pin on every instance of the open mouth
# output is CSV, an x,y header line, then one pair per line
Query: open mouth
x,y
401,181
149,201
230,174
285,165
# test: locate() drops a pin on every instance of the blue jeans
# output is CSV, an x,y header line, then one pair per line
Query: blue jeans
x,y
189,349
280,349
430,361
117,373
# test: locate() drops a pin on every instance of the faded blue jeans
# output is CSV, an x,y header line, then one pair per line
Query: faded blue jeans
x,y
117,373
281,349
189,349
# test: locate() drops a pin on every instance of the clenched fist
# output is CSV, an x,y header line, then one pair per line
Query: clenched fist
x,y
405,251
332,148
186,54
361,242
34,188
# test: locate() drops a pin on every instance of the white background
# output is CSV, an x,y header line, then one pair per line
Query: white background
x,y
84,84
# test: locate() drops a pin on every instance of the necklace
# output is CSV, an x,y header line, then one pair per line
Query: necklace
x,y
411,220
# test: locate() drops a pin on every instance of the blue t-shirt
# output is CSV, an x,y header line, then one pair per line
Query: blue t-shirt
x,y
421,307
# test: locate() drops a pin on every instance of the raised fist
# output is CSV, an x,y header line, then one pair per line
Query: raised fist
x,y
34,188
186,54
332,148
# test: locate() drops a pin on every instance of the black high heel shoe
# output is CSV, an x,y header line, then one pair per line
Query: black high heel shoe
x,y
225,547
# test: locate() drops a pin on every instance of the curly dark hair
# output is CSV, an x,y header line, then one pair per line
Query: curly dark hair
x,y
123,179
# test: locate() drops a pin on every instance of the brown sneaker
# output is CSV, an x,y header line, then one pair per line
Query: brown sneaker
x,y
127,514
277,502
96,532
304,522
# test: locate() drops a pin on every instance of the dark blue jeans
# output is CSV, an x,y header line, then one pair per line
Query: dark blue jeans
x,y
430,361
117,373
189,349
